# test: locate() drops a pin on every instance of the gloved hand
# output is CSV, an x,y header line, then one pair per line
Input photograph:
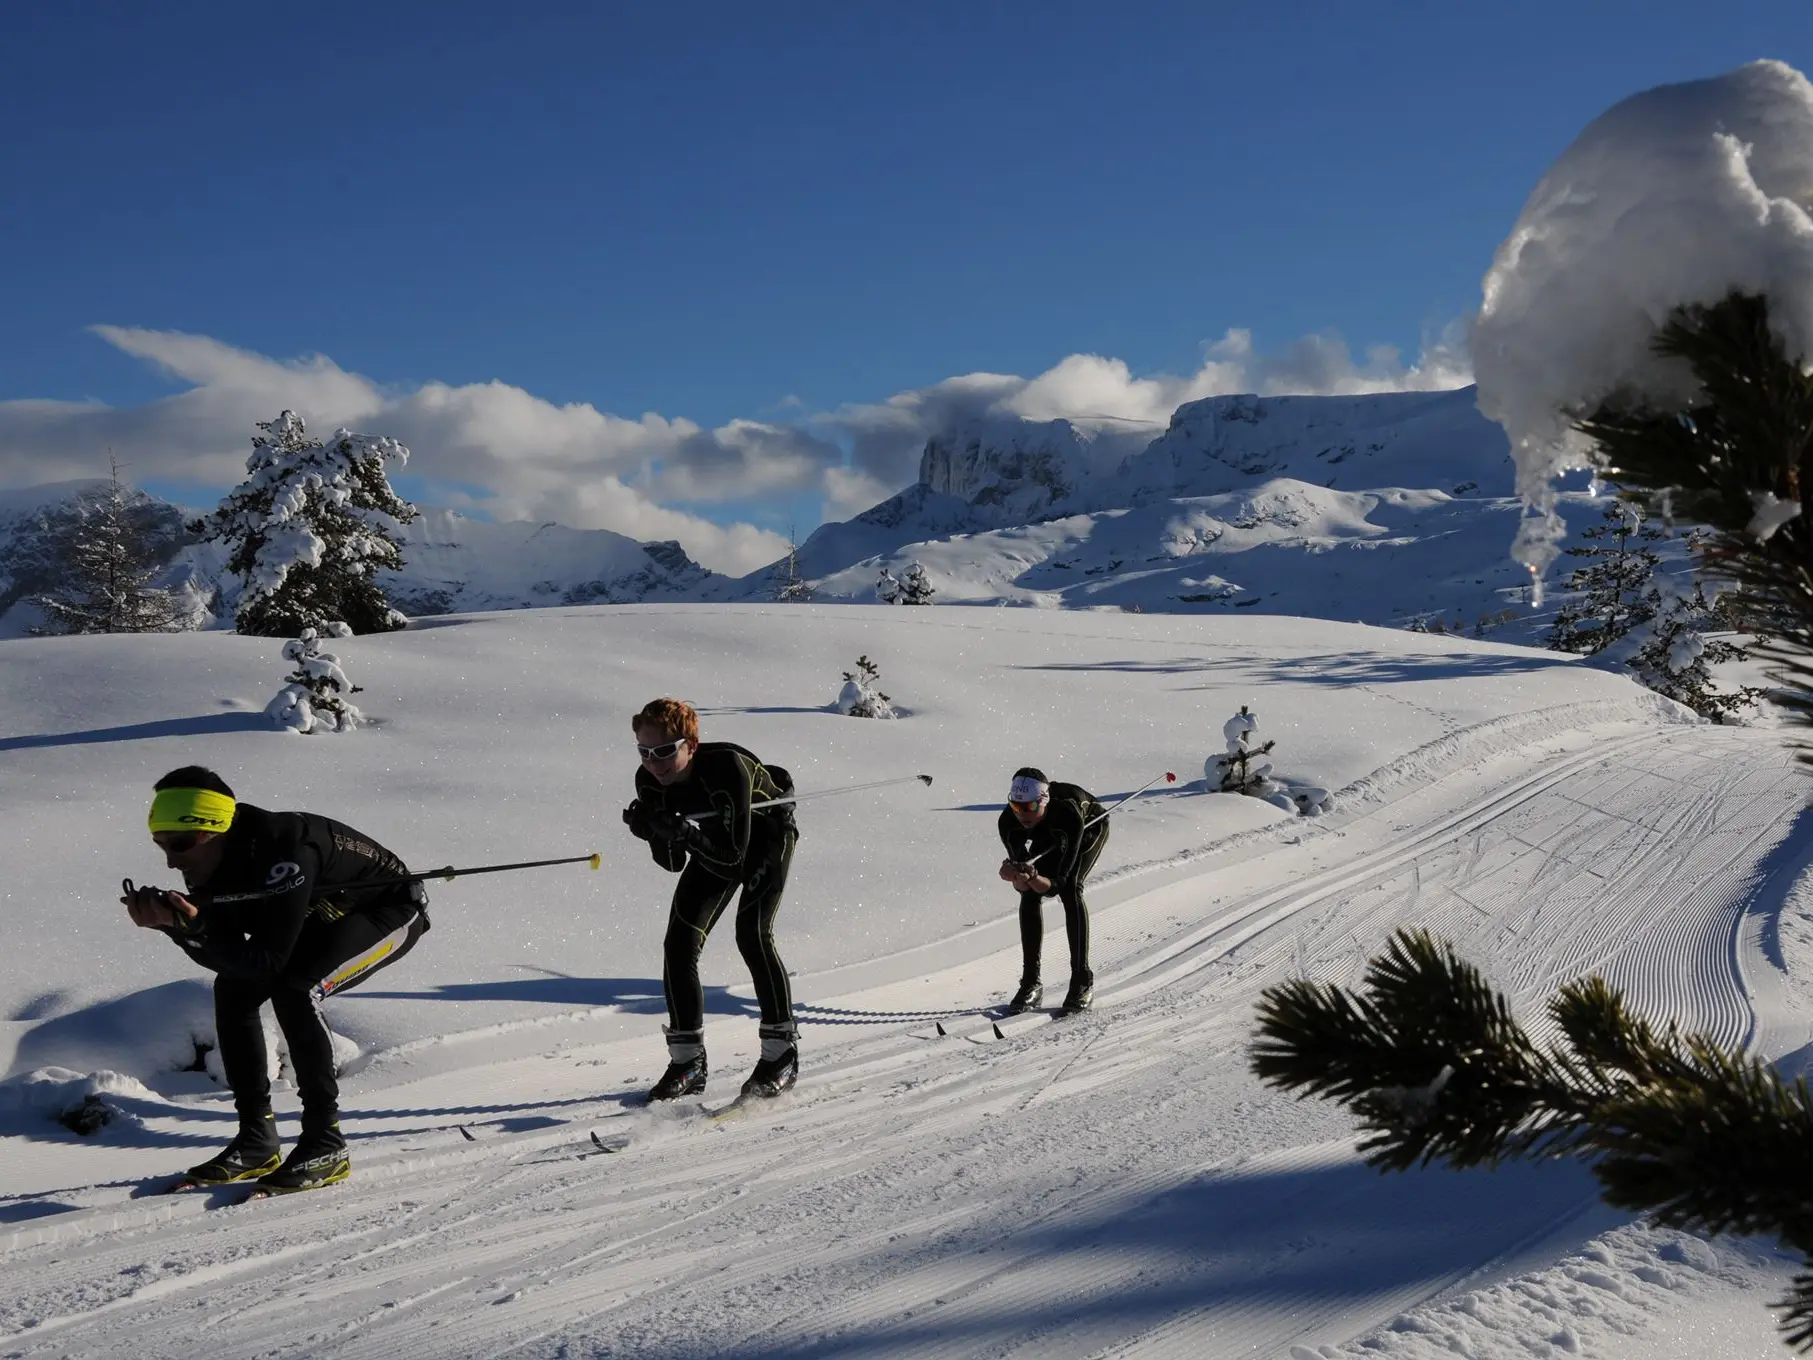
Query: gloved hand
x,y
669,826
635,817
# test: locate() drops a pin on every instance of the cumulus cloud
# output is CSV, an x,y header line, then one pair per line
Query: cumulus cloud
x,y
1090,389
532,458
495,449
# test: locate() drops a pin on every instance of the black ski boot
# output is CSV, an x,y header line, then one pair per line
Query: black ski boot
x,y
319,1158
1029,995
681,1079
1081,995
255,1152
779,1066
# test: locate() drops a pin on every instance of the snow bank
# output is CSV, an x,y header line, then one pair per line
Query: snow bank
x,y
1676,195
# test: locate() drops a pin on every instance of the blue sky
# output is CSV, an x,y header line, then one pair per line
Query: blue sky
x,y
736,213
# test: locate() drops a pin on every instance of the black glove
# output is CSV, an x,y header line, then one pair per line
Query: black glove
x,y
635,817
669,826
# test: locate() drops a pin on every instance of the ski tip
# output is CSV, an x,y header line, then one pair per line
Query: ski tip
x,y
938,1025
467,1134
997,1030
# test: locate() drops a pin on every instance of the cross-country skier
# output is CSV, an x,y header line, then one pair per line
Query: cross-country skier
x,y
1048,821
732,843
273,904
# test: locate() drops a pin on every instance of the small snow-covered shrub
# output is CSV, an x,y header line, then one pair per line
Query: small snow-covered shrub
x,y
1239,769
861,696
915,587
887,587
314,693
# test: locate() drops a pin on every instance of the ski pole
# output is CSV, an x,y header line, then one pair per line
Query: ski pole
x,y
450,873
926,779
1167,776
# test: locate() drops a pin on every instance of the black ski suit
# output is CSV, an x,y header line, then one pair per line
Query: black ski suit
x,y
736,844
284,919
1067,853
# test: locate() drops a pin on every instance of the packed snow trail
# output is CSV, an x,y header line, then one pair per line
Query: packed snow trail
x,y
1115,1184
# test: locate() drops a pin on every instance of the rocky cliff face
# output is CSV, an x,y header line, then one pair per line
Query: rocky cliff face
x,y
1431,440
1015,471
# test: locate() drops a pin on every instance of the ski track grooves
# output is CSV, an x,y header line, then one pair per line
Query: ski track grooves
x,y
841,1221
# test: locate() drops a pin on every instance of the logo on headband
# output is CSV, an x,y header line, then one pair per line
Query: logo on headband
x,y
1026,789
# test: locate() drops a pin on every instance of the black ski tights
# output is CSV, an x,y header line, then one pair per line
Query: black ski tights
x,y
342,953
1076,913
699,900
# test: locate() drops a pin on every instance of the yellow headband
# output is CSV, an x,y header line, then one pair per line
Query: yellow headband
x,y
191,810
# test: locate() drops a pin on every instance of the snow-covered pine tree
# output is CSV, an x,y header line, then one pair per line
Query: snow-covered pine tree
x,y
1235,771
1674,661
105,569
309,528
915,586
887,587
314,692
1614,592
861,696
789,586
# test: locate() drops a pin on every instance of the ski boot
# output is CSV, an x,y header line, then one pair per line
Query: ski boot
x,y
319,1158
254,1152
1030,994
1081,995
682,1078
779,1067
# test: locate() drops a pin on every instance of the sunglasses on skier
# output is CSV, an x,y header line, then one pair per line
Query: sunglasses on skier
x,y
1033,806
665,752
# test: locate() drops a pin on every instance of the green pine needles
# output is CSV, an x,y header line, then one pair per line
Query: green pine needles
x,y
1437,1071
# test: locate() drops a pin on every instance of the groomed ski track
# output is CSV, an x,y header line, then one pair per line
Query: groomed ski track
x,y
1108,1185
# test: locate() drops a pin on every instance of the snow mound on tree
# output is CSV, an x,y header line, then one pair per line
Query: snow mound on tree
x,y
1680,194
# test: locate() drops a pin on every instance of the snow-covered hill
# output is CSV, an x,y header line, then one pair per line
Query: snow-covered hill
x,y
451,562
1116,1184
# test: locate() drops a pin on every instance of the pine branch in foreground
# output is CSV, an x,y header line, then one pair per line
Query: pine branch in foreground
x,y
1436,1069
1738,457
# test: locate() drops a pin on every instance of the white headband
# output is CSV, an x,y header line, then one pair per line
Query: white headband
x,y
1026,789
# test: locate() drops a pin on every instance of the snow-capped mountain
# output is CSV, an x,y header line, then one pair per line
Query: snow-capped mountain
x,y
1385,509
451,563
1382,509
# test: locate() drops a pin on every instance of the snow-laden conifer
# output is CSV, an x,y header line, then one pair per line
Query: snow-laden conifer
x,y
1239,769
106,563
861,696
314,693
309,528
915,586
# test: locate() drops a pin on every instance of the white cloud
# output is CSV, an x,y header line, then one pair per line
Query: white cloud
x,y
534,459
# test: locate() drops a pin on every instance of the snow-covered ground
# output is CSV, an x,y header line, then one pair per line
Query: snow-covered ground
x,y
1112,1185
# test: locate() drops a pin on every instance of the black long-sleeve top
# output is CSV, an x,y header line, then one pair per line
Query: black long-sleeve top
x,y
728,785
277,869
1057,839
